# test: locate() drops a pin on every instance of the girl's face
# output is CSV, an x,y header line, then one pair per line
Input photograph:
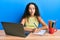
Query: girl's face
x,y
31,9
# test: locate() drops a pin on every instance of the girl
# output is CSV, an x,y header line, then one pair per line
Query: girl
x,y
31,19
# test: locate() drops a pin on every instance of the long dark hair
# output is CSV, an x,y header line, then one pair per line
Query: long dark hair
x,y
26,12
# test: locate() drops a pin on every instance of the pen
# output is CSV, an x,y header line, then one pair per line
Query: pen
x,y
35,25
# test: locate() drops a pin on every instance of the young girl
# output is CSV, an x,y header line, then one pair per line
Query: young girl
x,y
31,19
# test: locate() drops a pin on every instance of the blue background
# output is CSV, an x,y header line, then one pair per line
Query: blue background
x,y
12,10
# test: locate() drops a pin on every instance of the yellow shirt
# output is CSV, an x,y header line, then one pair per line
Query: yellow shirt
x,y
31,21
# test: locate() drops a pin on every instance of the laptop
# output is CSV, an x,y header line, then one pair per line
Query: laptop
x,y
14,29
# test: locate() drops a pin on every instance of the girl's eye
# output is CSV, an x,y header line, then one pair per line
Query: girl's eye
x,y
33,8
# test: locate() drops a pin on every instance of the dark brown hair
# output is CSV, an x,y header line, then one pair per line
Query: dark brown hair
x,y
26,12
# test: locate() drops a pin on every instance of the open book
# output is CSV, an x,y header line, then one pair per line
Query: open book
x,y
42,32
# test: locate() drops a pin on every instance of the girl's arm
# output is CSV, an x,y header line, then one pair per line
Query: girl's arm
x,y
23,21
25,28
44,25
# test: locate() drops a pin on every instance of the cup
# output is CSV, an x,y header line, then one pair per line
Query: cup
x,y
52,25
52,30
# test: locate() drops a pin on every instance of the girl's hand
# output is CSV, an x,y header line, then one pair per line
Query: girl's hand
x,y
37,30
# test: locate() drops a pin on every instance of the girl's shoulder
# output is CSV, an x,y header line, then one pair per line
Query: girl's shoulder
x,y
24,19
39,18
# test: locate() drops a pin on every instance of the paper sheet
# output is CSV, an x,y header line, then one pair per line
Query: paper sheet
x,y
42,32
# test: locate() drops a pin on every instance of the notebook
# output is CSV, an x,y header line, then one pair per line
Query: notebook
x,y
42,32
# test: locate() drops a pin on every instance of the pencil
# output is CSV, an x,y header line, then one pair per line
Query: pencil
x,y
35,25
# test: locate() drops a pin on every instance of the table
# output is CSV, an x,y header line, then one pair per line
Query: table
x,y
31,36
